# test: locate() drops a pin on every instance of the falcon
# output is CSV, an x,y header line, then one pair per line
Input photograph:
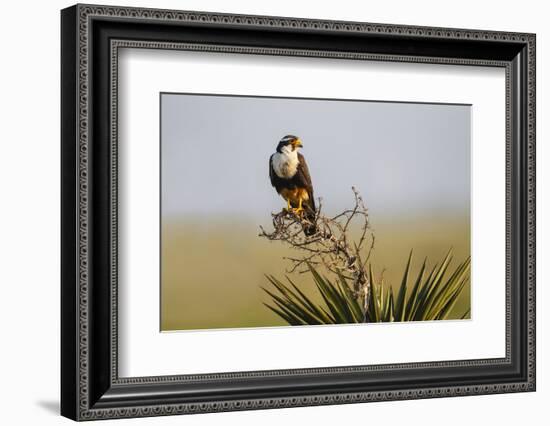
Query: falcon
x,y
289,175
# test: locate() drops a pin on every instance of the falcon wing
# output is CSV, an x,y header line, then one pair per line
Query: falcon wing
x,y
271,171
303,178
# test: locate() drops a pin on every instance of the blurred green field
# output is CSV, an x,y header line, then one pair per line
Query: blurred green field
x,y
212,272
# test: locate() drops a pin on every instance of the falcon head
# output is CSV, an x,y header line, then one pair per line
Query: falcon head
x,y
289,143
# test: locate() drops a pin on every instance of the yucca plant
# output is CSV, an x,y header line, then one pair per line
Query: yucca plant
x,y
432,296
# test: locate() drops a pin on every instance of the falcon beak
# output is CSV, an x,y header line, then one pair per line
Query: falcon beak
x,y
297,143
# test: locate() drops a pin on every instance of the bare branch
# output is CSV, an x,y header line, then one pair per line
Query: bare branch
x,y
332,245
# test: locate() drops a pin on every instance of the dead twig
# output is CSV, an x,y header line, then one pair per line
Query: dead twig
x,y
331,245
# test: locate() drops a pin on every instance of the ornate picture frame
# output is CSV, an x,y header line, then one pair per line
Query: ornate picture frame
x,y
91,37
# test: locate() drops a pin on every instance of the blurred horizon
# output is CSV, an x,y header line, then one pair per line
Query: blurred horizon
x,y
212,273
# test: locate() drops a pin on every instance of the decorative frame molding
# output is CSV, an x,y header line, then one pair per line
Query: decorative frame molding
x,y
91,37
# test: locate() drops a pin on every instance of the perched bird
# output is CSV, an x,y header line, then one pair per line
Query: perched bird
x,y
289,175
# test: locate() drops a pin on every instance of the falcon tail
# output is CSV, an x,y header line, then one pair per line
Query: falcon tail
x,y
309,215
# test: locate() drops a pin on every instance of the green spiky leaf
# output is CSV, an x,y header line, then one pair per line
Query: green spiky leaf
x,y
431,297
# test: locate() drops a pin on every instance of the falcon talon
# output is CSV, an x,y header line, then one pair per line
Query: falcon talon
x,y
288,208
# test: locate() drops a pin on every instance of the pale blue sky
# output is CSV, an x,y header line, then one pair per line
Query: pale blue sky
x,y
404,157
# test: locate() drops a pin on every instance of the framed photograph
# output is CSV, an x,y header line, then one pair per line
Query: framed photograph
x,y
263,212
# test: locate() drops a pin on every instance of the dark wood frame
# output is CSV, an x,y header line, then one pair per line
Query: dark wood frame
x,y
91,37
